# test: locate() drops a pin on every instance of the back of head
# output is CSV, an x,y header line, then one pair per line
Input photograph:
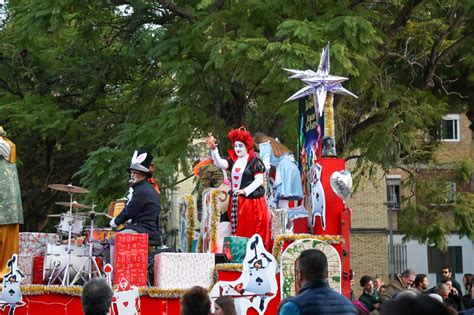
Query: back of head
x,y
278,148
226,303
416,305
313,265
96,297
195,302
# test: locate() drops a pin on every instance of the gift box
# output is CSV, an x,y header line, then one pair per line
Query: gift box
x,y
38,265
130,258
289,221
25,264
235,248
34,244
183,270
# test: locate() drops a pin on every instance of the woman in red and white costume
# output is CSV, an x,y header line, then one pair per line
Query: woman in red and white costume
x,y
248,211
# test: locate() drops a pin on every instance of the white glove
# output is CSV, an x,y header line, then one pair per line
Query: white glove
x,y
112,223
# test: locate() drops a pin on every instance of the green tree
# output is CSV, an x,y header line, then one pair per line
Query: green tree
x,y
82,84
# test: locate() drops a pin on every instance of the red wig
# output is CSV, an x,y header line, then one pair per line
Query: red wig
x,y
243,136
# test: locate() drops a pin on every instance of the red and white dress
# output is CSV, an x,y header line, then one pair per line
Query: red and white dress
x,y
250,210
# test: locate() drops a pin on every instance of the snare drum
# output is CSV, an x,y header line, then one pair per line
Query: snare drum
x,y
76,222
57,255
100,235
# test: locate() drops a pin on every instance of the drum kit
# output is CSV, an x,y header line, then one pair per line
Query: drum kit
x,y
70,263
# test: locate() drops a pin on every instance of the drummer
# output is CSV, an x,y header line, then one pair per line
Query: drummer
x,y
143,208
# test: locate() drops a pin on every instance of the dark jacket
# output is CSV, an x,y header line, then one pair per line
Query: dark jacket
x,y
144,210
370,299
319,298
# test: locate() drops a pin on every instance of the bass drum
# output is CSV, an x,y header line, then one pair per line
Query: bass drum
x,y
56,255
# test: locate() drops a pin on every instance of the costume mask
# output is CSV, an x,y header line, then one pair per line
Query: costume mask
x,y
240,149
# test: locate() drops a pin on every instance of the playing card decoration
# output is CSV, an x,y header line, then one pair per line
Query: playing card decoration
x,y
318,200
257,285
11,293
108,269
126,300
289,284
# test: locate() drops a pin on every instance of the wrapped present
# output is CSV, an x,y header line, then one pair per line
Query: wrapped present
x,y
184,270
289,221
25,264
235,248
34,244
130,258
38,264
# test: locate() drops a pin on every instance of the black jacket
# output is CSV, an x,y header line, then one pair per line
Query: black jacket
x,y
144,210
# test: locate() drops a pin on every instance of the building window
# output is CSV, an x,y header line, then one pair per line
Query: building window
x,y
450,128
452,257
447,195
394,183
399,258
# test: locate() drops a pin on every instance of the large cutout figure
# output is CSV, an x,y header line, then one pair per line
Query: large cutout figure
x,y
257,285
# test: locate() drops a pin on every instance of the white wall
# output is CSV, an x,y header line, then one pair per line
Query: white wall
x,y
417,256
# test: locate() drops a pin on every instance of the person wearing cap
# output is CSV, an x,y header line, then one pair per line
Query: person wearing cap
x,y
143,208
11,212
247,210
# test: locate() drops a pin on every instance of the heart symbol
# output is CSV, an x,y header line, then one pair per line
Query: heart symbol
x,y
235,185
125,304
236,177
237,170
108,268
341,184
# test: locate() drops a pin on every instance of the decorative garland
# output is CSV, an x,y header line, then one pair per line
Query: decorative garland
x,y
229,267
191,224
214,220
281,239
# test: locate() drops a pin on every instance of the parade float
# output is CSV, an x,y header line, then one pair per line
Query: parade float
x,y
46,275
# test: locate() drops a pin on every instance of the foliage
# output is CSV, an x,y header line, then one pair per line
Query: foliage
x,y
83,84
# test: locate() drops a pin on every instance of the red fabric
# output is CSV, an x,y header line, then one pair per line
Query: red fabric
x,y
252,217
155,184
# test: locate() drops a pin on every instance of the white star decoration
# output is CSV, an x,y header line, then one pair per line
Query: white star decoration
x,y
319,83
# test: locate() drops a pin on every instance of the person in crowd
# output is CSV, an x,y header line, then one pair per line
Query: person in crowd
x,y
447,273
400,283
454,296
315,296
443,290
468,298
410,304
382,289
96,297
287,185
11,211
369,296
224,305
420,284
377,282
196,302
143,208
247,211
466,281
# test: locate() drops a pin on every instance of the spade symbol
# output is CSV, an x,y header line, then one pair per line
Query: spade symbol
x,y
259,281
12,292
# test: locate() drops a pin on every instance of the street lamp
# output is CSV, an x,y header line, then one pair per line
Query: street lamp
x,y
391,204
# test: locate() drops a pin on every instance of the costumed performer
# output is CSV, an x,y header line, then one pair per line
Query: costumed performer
x,y
287,183
143,207
11,212
247,210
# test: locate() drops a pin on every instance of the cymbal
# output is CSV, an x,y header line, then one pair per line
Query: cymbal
x,y
69,188
74,204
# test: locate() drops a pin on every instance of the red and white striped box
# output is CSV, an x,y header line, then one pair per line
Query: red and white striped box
x,y
130,258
